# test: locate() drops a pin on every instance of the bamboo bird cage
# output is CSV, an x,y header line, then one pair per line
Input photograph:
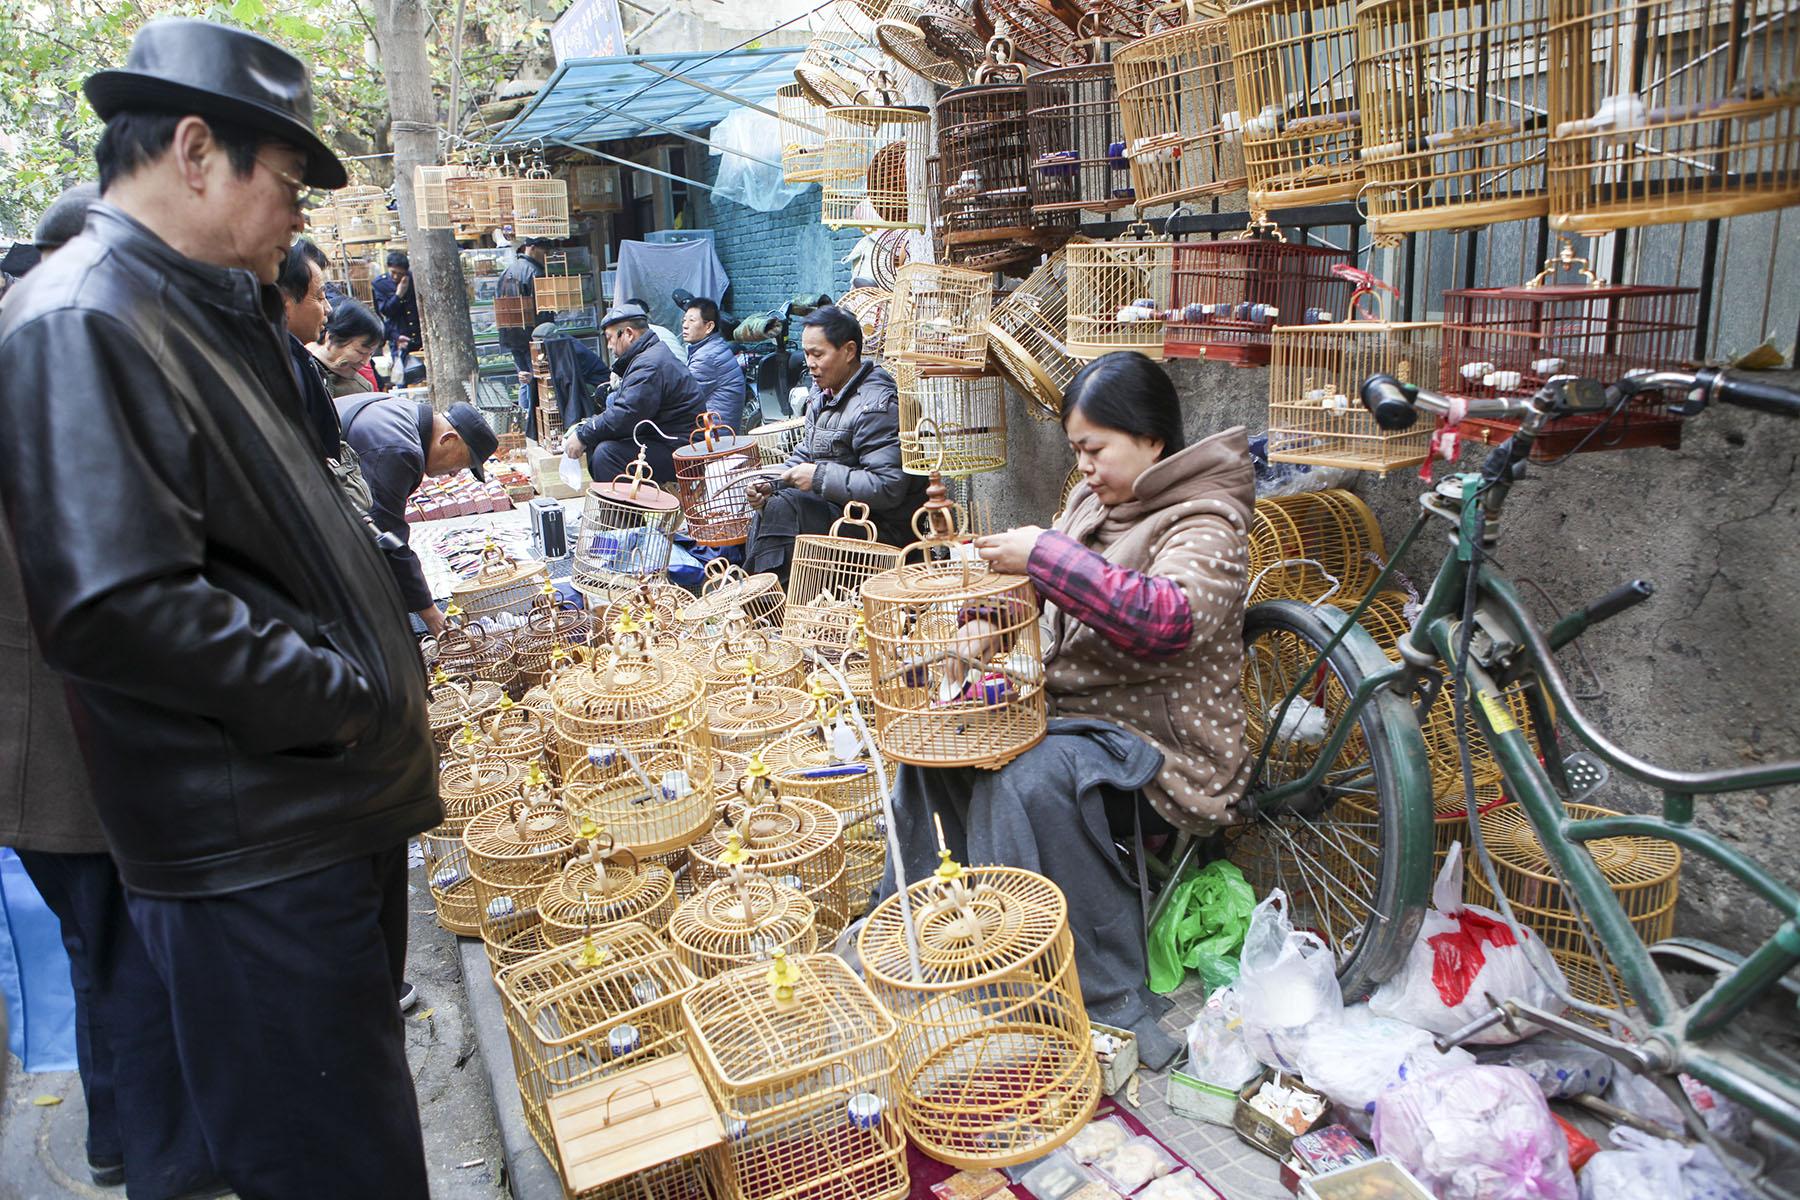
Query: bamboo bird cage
x,y
515,848
792,840
1077,142
1294,63
930,38
596,891
1227,296
742,919
802,134
951,420
471,651
1178,114
996,1062
453,703
869,306
745,717
712,480
1028,333
557,290
751,653
1037,30
626,534
939,315
647,799
1669,112
1313,545
728,592
775,440
841,61
466,789
540,205
810,763
626,696
1119,294
872,166
553,623
502,585
431,195
799,1057
361,216
825,578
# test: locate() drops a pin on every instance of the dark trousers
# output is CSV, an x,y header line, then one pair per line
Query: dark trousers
x,y
521,356
289,1038
608,460
138,1110
786,515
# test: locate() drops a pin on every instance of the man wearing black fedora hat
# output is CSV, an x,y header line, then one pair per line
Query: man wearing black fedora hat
x,y
249,702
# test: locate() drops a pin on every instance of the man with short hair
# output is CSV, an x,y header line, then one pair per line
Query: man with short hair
x,y
663,333
249,702
653,386
302,286
398,305
520,280
712,364
849,449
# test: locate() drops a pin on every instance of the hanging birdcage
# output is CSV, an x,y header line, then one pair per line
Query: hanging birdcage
x,y
712,479
742,718
799,1057
1664,112
1452,101
647,799
802,134
1508,341
626,534
872,166
1643,872
515,848
894,248
596,891
1028,333
470,651
954,652
869,306
1227,296
744,651
930,38
502,585
494,203
466,788
556,290
1315,373
738,920
1036,29
1311,546
828,762
951,420
1119,294
940,315
470,200
362,216
793,840
825,578
540,205
728,591
997,1064
455,702
841,62
1294,62
1077,143
431,195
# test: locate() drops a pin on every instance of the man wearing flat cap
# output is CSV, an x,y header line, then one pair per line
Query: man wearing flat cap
x,y
653,385
248,699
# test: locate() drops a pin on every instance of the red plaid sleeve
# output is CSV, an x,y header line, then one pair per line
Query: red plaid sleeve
x,y
1146,616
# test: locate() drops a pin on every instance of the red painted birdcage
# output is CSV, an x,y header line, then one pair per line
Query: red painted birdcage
x,y
712,478
1226,297
1077,143
1507,341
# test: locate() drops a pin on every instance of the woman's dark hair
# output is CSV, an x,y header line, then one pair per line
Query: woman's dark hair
x,y
1126,391
135,139
351,322
837,325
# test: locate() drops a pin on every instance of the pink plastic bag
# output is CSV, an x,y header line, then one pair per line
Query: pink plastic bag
x,y
1476,1133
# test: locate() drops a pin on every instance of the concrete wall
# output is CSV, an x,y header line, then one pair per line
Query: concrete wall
x,y
1704,675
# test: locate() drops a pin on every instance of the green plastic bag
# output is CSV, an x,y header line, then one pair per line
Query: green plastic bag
x,y
1201,928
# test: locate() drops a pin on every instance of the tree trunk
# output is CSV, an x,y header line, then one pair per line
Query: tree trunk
x,y
436,266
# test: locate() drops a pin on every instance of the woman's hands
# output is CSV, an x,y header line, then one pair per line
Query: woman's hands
x,y
1009,552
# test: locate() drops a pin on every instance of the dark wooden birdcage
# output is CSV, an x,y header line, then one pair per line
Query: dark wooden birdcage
x,y
842,59
934,39
1227,296
712,477
1178,113
1077,144
1507,341
1294,63
1035,28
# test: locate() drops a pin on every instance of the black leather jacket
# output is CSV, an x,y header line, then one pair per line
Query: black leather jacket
x,y
246,694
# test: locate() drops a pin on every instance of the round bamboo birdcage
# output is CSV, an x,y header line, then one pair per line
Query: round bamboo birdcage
x,y
939,315
625,535
954,652
466,788
799,1057
1227,296
1036,29
777,439
802,134
1671,112
728,591
552,624
648,799
744,919
797,841
1027,336
996,1062
825,578
750,654
1068,488
540,205
872,166
596,891
502,585
806,764
1643,872
712,480
1178,114
454,703
870,307
468,191
1315,372
493,204
626,696
842,62
1453,127
515,733
1294,62
653,605
574,1016
930,38
1118,295
515,848
951,421
471,651
743,718
1314,545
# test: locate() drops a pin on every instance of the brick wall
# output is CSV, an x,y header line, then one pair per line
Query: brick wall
x,y
773,256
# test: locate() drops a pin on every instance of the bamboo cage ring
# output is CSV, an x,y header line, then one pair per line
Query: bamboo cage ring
x,y
1027,336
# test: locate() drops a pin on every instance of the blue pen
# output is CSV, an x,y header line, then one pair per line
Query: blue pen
x,y
838,772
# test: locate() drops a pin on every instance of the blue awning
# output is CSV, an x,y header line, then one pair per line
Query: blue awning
x,y
601,99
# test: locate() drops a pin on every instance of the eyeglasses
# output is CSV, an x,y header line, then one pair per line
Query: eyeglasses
x,y
305,196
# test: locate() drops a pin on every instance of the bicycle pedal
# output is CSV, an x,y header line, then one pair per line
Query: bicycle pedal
x,y
1586,775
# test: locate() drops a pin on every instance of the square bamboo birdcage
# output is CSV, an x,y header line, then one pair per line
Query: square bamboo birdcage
x,y
872,166
1663,112
502,585
933,39
514,312
713,473
572,1018
1227,296
1077,141
797,841
1643,872
466,788
1294,66
470,200
1027,335
870,307
1315,375
954,652
800,1059
842,62
951,420
812,763
1035,29
515,848
833,565
738,920
431,195
940,315
777,439
1453,128
996,1062
647,799
1118,295
1313,545
1508,341
600,888
626,533
540,205
362,216
728,592
802,134
1178,114
556,290
649,1132
493,203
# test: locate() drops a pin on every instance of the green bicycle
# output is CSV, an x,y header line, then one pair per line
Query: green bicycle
x,y
1344,799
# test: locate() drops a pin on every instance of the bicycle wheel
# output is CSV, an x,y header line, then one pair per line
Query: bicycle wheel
x,y
1353,854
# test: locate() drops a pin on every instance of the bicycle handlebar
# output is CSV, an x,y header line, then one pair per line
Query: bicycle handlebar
x,y
1712,383
1395,405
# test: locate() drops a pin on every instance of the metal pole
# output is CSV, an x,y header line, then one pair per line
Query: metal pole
x,y
626,162
721,94
727,50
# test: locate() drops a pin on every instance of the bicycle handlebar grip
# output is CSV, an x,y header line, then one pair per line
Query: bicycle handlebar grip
x,y
1389,402
1745,392
1632,591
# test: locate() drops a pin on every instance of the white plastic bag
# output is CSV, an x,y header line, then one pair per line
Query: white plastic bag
x,y
1644,1166
1355,1060
1476,1133
1560,1068
1640,1094
1217,1053
1465,954
1287,980
743,141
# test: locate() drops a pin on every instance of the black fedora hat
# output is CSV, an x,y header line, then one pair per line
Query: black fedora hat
x,y
185,66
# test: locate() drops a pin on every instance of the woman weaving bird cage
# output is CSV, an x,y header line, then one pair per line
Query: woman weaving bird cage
x,y
1143,582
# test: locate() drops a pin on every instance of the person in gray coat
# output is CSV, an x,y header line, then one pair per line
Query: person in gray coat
x,y
849,449
712,364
